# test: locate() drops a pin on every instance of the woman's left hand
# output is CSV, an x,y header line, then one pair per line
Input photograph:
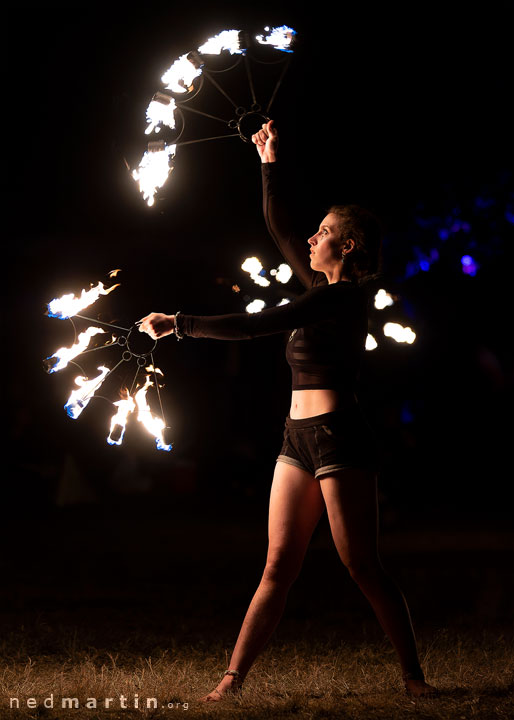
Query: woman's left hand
x,y
157,325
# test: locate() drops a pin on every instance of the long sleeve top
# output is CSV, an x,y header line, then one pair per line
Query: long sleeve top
x,y
328,323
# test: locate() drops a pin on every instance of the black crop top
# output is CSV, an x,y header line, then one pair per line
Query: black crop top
x,y
327,324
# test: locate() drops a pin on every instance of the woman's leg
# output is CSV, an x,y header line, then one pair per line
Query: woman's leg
x,y
296,505
352,507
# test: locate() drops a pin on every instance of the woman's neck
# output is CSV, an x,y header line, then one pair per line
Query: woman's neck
x,y
335,275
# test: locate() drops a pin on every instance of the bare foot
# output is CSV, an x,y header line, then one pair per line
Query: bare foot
x,y
229,686
214,696
419,688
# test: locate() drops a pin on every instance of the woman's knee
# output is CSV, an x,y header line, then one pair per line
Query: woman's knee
x,y
282,569
364,568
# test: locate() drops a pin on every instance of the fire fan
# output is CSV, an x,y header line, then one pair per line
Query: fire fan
x,y
183,81
133,346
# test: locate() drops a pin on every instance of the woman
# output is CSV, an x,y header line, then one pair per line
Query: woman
x,y
328,456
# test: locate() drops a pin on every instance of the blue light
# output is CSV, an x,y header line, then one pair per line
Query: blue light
x,y
407,416
509,216
444,234
424,265
411,269
484,202
469,266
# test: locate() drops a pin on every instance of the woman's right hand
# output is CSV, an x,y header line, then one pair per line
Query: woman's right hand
x,y
157,325
266,141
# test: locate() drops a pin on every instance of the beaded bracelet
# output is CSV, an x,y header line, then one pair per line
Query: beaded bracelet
x,y
178,334
231,672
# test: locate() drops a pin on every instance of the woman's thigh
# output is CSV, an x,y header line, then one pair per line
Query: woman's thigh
x,y
296,505
351,499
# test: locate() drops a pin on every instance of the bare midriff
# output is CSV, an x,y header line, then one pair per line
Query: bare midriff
x,y
308,403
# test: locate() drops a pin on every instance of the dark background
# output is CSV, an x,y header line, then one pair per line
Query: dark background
x,y
404,108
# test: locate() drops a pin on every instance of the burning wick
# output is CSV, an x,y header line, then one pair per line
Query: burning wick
x,y
81,397
68,305
280,38
161,110
153,424
226,40
119,420
154,169
179,77
64,355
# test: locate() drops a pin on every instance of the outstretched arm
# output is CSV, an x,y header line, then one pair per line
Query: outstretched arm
x,y
339,302
278,218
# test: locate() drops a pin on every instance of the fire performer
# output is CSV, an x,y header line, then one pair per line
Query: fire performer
x,y
328,458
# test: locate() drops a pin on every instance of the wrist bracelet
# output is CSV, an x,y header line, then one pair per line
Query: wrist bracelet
x,y
178,334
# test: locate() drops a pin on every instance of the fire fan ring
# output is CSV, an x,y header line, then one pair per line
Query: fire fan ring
x,y
134,346
138,343
249,122
184,81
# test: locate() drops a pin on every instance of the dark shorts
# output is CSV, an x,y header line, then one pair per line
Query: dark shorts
x,y
334,441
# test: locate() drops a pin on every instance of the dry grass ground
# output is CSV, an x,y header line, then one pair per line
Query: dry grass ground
x,y
159,622
307,679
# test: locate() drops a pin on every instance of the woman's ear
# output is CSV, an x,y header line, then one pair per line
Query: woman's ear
x,y
348,245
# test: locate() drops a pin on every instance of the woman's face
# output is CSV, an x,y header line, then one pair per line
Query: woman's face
x,y
326,244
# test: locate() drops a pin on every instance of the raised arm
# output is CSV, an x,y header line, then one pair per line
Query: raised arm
x,y
278,218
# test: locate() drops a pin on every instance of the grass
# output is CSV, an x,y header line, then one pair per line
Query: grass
x,y
317,676
158,619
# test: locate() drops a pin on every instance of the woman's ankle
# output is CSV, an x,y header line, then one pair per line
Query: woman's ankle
x,y
231,681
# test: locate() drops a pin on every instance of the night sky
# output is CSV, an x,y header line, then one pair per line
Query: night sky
x,y
404,108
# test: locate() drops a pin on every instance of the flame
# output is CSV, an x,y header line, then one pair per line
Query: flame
x,y
153,424
179,77
254,268
119,420
113,273
68,305
371,343
161,110
225,40
87,388
64,354
255,306
383,299
399,333
284,301
283,274
153,171
280,38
